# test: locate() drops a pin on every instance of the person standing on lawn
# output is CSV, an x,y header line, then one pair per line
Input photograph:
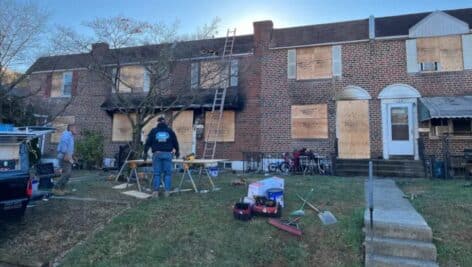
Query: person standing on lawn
x,y
164,145
65,154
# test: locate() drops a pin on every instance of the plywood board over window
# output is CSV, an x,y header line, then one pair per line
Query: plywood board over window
x,y
183,128
132,78
56,86
227,128
212,73
148,127
309,121
314,63
60,124
122,130
353,129
445,50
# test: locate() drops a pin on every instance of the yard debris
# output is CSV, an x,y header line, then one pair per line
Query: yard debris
x,y
290,226
241,181
122,186
137,194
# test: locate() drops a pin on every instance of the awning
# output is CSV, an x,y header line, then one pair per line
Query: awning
x,y
445,107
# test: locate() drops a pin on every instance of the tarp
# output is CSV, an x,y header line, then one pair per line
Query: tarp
x,y
445,107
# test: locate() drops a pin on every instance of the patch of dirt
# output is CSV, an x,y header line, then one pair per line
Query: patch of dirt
x,y
50,228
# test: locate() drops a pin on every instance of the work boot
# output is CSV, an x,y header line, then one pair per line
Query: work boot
x,y
57,192
166,194
155,194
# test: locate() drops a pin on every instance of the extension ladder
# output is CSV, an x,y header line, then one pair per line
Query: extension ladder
x,y
216,114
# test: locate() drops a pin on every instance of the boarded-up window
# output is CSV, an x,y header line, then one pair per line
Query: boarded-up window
x,y
122,130
183,128
352,118
212,74
314,62
60,124
310,121
447,51
56,86
227,128
131,79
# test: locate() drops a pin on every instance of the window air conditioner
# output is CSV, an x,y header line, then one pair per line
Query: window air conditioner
x,y
429,66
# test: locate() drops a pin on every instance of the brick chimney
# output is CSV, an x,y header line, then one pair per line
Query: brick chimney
x,y
100,49
262,35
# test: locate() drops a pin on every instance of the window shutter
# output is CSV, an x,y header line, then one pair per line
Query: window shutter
x,y
467,51
146,81
234,72
194,75
411,58
337,60
75,83
291,64
48,85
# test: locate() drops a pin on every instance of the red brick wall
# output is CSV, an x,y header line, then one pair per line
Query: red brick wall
x,y
370,65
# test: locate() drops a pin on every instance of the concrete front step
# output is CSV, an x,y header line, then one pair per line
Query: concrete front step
x,y
400,231
389,261
411,249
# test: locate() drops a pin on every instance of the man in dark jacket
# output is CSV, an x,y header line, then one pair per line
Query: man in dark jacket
x,y
164,145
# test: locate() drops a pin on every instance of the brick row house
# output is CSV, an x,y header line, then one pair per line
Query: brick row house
x,y
376,88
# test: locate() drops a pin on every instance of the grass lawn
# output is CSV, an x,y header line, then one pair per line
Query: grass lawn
x,y
199,230
447,207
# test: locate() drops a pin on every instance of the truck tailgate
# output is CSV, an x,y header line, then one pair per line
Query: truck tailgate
x,y
13,185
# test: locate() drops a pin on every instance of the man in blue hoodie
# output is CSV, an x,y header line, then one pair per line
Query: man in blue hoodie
x,y
164,145
65,154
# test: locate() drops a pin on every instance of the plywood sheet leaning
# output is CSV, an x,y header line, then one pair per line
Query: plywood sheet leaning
x,y
309,121
183,128
60,123
226,130
122,130
353,129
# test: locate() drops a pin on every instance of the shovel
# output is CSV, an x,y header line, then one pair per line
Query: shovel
x,y
300,211
326,217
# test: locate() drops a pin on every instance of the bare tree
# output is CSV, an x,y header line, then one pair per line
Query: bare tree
x,y
162,89
21,27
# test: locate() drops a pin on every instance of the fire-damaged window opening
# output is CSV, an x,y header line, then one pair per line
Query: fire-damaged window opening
x,y
214,74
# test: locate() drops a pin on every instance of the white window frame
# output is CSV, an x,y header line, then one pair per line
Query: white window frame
x,y
63,83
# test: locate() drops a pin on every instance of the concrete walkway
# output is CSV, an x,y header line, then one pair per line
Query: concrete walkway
x,y
400,236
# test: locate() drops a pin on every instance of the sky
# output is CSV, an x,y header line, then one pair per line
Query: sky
x,y
237,14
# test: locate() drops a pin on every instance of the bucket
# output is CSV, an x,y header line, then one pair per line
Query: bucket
x,y
438,169
213,171
276,194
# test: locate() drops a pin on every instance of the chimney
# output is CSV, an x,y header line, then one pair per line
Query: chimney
x,y
262,35
100,49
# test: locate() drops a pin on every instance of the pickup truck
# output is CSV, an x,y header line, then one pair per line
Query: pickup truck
x,y
15,182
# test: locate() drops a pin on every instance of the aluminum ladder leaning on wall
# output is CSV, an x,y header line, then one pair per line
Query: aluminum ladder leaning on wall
x,y
216,114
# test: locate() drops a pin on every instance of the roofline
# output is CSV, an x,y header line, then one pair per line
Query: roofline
x,y
320,44
140,63
322,24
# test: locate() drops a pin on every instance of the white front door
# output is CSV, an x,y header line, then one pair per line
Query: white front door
x,y
400,137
